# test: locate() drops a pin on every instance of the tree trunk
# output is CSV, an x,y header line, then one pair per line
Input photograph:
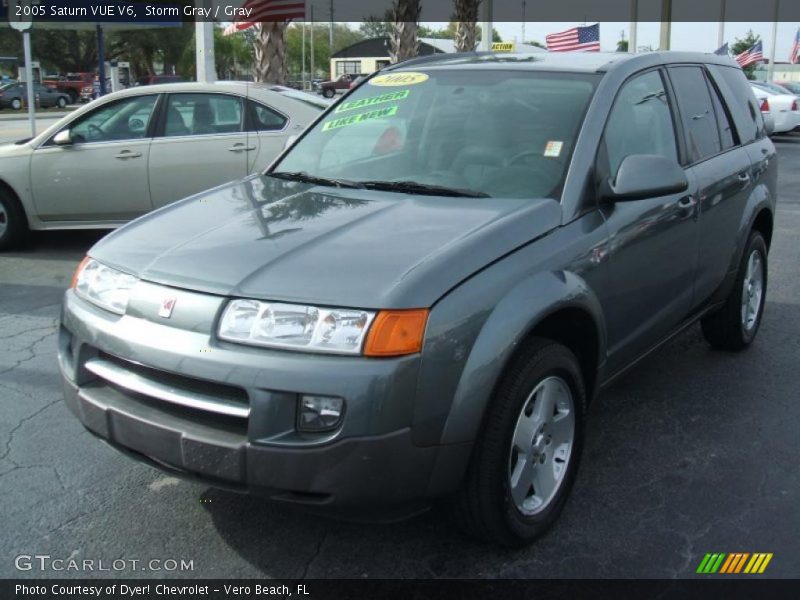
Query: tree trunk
x,y
270,53
466,17
403,40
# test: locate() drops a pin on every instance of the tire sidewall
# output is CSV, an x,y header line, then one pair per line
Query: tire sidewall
x,y
547,360
755,242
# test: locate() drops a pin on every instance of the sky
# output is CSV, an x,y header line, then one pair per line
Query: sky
x,y
700,37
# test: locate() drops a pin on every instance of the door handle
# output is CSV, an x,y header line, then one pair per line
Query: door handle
x,y
241,148
126,154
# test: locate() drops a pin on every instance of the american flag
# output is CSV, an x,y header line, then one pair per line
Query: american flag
x,y
268,10
794,57
751,56
583,39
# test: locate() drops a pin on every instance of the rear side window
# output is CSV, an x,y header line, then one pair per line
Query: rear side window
x,y
640,122
697,111
741,101
266,119
726,130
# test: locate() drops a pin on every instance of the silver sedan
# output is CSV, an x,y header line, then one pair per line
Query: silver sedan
x,y
139,149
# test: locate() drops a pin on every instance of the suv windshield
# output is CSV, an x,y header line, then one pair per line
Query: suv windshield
x,y
499,133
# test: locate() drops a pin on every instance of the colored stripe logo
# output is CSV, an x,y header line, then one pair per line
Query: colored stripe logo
x,y
734,563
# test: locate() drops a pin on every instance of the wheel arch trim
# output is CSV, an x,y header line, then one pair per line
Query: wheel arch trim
x,y
545,295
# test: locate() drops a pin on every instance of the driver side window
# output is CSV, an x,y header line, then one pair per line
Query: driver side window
x,y
127,119
640,122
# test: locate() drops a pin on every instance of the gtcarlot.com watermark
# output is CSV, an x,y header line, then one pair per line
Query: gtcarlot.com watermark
x,y
47,563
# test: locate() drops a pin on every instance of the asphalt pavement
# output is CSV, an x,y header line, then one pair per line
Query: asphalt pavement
x,y
694,451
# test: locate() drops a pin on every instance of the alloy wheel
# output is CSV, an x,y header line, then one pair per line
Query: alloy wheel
x,y
753,290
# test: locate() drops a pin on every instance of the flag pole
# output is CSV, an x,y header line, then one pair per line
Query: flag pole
x,y
721,35
634,25
771,67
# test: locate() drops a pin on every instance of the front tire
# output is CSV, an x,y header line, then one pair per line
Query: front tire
x,y
735,325
527,453
328,93
16,104
62,102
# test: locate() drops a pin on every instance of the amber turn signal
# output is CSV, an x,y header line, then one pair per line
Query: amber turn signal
x,y
78,272
396,332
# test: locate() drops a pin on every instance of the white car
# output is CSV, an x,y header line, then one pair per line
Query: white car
x,y
785,108
136,150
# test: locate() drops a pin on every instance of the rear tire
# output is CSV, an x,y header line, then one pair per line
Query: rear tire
x,y
13,224
16,104
735,325
62,102
73,96
515,488
328,93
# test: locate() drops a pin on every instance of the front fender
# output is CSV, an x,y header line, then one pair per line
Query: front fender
x,y
505,329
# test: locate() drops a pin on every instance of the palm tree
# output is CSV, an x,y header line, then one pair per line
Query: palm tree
x,y
466,17
403,40
270,53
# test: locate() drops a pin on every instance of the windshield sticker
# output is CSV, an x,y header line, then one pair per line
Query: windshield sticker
x,y
553,149
360,118
398,79
371,101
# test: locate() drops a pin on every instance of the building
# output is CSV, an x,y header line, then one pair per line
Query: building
x,y
372,54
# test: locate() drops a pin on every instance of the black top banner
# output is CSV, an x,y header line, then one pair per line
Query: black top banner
x,y
170,11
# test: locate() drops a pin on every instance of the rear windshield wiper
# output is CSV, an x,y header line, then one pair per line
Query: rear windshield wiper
x,y
304,177
412,187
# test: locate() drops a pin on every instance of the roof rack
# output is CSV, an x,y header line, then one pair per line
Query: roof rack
x,y
433,58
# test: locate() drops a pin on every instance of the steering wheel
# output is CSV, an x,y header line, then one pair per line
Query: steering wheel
x,y
136,125
95,129
519,156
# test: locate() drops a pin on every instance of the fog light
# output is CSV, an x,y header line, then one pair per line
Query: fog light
x,y
319,413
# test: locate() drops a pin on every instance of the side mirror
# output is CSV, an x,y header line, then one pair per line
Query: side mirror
x,y
63,138
645,176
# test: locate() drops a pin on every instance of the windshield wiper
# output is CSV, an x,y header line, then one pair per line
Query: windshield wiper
x,y
304,177
413,187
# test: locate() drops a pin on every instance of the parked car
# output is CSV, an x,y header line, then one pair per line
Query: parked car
x,y
71,84
785,108
138,149
330,88
430,318
13,96
792,87
158,79
93,92
766,113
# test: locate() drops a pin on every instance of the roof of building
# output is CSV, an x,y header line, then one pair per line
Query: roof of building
x,y
379,48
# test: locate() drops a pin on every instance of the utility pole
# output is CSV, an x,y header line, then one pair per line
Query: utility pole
x,y
771,66
666,25
721,35
633,26
486,26
204,47
330,31
523,21
312,43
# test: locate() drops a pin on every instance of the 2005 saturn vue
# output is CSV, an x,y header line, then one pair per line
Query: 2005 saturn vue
x,y
420,297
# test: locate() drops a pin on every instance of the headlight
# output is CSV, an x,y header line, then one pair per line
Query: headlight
x,y
276,325
101,285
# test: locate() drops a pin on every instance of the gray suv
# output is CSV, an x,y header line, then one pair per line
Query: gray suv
x,y
421,296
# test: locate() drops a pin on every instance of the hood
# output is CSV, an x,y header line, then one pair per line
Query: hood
x,y
270,239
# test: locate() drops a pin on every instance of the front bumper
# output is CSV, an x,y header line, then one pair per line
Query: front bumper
x,y
370,463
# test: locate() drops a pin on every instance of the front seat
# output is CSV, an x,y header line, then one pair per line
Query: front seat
x,y
176,126
485,145
203,121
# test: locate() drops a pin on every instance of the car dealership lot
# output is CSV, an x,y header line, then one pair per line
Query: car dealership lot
x,y
694,451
